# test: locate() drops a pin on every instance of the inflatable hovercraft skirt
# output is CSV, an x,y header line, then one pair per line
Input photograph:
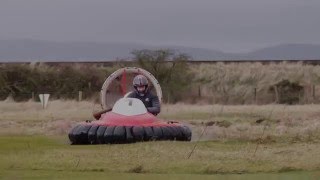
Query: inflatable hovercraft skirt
x,y
128,122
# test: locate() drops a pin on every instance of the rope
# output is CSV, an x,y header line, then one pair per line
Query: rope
x,y
194,147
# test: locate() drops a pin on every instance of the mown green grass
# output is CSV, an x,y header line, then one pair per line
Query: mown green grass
x,y
31,157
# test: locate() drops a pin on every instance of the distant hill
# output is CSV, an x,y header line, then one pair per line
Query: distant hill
x,y
35,50
287,52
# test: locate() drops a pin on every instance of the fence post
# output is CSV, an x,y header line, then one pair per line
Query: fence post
x,y
80,96
255,95
32,96
277,93
314,92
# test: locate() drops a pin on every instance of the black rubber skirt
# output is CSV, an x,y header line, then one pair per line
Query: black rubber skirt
x,y
99,134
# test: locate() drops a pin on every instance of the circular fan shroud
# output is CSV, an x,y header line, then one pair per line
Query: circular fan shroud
x,y
119,84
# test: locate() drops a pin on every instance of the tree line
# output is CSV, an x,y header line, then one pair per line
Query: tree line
x,y
65,81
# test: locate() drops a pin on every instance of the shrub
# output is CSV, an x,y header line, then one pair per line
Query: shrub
x,y
287,92
169,68
61,82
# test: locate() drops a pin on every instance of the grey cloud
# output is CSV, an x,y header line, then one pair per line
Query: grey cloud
x,y
230,25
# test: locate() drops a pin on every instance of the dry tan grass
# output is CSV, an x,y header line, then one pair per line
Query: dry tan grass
x,y
30,118
241,122
298,122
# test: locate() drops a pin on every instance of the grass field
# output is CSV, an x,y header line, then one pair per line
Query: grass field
x,y
243,122
43,156
237,140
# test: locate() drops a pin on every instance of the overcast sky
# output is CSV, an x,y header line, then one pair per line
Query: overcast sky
x,y
228,25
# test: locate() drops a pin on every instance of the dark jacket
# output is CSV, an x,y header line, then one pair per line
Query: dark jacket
x,y
150,101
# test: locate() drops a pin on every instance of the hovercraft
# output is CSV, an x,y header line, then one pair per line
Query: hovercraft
x,y
128,120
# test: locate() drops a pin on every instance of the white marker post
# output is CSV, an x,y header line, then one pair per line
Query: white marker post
x,y
44,99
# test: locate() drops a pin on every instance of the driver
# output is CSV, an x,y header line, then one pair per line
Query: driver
x,y
140,84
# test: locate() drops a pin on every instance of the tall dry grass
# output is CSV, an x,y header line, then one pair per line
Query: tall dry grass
x,y
235,82
231,83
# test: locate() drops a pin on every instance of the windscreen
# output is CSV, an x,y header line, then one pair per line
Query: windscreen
x,y
129,107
